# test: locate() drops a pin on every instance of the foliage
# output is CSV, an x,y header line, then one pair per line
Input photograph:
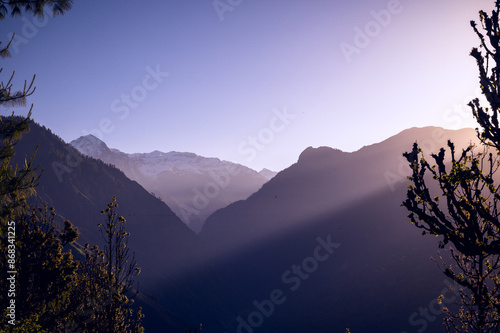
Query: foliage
x,y
16,184
36,7
489,77
46,275
465,214
106,279
458,198
28,325
53,292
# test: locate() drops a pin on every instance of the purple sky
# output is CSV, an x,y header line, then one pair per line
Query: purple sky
x,y
253,82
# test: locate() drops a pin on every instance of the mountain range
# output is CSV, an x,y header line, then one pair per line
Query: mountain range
x,y
325,180
321,247
378,273
192,186
79,187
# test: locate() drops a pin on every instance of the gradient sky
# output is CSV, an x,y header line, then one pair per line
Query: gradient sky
x,y
231,72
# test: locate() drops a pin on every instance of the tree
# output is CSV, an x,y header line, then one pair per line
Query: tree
x,y
51,291
16,7
458,198
33,256
46,274
463,209
16,184
120,269
107,279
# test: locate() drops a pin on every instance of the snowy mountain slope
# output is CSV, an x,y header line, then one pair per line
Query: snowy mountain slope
x,y
192,186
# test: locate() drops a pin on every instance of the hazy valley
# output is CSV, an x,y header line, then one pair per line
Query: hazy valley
x,y
325,231
192,186
250,167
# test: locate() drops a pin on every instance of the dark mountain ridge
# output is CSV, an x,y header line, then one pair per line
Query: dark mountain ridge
x,y
323,180
166,250
379,276
273,246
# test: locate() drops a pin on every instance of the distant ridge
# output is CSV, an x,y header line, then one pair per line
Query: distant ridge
x,y
268,173
193,186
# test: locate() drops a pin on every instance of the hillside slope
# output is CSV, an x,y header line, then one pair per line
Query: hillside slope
x,y
193,186
79,187
376,271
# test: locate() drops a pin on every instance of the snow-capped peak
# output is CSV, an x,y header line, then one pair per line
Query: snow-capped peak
x,y
90,145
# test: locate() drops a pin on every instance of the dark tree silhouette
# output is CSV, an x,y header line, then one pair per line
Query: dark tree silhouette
x,y
17,7
464,210
107,278
458,198
31,245
16,184
46,274
120,268
53,292
489,77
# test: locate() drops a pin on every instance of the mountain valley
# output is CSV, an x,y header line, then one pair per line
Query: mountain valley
x,y
322,246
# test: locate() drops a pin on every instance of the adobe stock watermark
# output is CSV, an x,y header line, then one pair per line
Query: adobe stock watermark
x,y
29,30
11,272
223,6
253,144
372,29
122,107
292,279
420,319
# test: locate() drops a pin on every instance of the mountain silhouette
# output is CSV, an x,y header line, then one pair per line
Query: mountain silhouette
x,y
380,275
322,181
322,246
79,187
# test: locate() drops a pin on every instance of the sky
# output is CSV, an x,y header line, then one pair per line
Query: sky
x,y
252,82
